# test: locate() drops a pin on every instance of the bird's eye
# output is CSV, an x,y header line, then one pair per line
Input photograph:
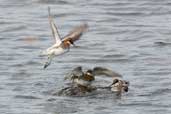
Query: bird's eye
x,y
126,82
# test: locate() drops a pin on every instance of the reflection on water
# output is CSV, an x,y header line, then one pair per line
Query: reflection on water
x,y
122,36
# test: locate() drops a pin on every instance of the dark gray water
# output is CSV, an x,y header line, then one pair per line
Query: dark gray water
x,y
121,36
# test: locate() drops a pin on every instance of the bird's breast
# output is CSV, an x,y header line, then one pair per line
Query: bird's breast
x,y
55,51
65,45
89,78
58,51
82,82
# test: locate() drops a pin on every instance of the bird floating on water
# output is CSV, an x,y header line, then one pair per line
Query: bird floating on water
x,y
78,76
82,81
119,86
61,45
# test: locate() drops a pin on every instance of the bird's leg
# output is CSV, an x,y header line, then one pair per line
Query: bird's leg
x,y
48,62
68,49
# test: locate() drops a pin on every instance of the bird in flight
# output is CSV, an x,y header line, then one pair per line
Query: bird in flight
x,y
61,45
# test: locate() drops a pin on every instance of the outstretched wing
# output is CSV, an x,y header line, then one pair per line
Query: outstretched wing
x,y
54,29
105,71
76,33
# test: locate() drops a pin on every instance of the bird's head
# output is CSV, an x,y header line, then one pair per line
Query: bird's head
x,y
89,75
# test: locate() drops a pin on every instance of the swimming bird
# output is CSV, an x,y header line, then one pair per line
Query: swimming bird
x,y
85,78
119,86
62,45
117,78
78,76
82,81
76,72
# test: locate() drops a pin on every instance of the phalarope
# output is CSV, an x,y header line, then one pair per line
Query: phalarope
x,y
82,81
119,86
85,79
78,76
62,46
76,72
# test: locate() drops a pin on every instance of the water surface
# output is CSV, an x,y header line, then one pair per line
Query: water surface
x,y
121,36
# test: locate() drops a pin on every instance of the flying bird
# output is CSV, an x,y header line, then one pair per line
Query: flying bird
x,y
61,45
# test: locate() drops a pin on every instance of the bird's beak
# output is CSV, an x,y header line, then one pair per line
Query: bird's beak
x,y
110,85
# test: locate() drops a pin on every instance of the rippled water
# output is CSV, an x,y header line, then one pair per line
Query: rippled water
x,y
121,36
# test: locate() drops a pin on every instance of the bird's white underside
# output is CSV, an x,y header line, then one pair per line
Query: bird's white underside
x,y
53,51
82,82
